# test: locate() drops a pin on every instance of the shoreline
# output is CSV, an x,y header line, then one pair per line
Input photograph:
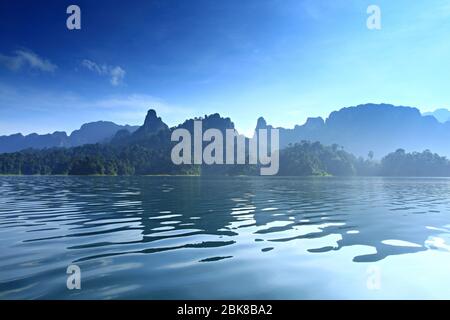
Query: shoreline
x,y
221,176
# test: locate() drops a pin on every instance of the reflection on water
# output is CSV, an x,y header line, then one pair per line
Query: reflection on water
x,y
192,237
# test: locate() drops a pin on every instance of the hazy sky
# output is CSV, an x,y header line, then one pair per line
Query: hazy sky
x,y
281,59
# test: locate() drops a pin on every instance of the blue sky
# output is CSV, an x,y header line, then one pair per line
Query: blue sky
x,y
285,60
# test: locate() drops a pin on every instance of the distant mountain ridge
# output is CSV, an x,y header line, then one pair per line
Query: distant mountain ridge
x,y
349,142
379,128
441,115
375,129
93,132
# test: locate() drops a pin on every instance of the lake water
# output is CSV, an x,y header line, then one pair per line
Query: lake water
x,y
207,238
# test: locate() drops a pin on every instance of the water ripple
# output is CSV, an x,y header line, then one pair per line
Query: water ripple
x,y
123,230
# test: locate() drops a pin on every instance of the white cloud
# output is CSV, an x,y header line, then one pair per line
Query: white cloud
x,y
115,73
26,58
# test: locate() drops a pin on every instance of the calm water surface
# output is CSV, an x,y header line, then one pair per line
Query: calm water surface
x,y
192,237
